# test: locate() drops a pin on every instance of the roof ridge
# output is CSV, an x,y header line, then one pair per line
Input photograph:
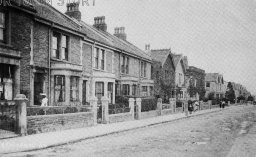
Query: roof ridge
x,y
63,14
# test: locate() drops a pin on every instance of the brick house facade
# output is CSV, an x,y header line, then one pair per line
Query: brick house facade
x,y
163,73
196,80
15,50
69,60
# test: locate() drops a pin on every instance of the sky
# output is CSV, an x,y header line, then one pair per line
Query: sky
x,y
218,36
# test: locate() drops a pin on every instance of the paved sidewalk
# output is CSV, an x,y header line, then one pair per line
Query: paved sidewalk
x,y
46,140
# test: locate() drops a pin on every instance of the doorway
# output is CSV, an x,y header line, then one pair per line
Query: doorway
x,y
84,100
99,93
38,88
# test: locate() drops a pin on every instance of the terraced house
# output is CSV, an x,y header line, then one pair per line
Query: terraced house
x,y
67,59
116,67
46,52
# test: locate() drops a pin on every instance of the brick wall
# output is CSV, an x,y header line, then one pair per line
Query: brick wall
x,y
109,63
199,76
75,50
150,114
117,64
87,58
50,123
120,117
41,45
134,67
20,39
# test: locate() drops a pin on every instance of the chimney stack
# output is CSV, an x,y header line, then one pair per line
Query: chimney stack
x,y
99,23
185,60
73,10
120,33
147,47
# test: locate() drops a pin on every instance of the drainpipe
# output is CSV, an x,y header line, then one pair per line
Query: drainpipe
x,y
92,83
49,65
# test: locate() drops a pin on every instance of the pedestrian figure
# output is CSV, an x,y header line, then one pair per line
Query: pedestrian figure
x,y
220,103
196,104
223,104
190,108
44,100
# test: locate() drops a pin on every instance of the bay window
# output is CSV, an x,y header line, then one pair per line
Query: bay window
x,y
99,89
126,89
74,89
59,88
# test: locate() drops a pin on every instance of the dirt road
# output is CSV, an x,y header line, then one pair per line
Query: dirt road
x,y
211,135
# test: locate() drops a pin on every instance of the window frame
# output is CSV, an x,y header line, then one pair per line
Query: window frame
x,y
76,89
102,66
125,63
208,83
62,90
5,27
60,55
126,89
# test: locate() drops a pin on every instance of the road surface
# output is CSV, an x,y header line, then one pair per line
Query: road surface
x,y
211,135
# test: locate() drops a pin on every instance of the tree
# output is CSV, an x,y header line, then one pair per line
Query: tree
x,y
250,98
230,93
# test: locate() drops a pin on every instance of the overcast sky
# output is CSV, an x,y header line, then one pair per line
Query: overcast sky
x,y
216,35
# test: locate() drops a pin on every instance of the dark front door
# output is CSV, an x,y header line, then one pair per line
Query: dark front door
x,y
38,88
84,101
99,93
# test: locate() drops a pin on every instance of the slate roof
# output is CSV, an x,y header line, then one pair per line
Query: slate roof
x,y
112,41
177,58
160,55
49,13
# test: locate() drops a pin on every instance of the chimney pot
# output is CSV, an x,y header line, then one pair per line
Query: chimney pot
x,y
120,33
99,23
73,10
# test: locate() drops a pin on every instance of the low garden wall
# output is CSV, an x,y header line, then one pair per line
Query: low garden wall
x,y
49,123
121,117
167,112
179,109
55,118
204,105
150,114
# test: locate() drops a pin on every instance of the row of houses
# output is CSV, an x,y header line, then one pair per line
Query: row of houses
x,y
45,51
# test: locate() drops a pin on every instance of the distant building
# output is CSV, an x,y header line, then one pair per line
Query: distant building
x,y
196,82
214,84
180,63
240,90
163,73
